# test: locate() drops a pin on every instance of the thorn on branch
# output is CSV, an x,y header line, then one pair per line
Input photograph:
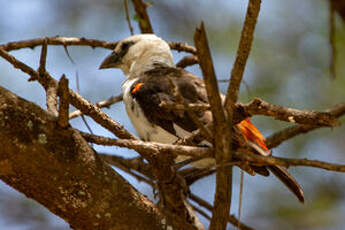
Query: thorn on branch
x,y
43,60
65,47
63,102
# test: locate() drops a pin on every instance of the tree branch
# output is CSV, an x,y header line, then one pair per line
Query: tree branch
x,y
243,51
76,100
128,19
106,103
231,219
222,133
171,187
151,148
260,107
188,61
262,160
63,102
277,138
71,41
64,174
143,17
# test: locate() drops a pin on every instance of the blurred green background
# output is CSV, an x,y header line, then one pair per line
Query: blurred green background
x,y
288,65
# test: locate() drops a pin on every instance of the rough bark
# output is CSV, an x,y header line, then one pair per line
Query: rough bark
x,y
57,168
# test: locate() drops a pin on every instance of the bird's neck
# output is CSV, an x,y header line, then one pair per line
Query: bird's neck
x,y
148,62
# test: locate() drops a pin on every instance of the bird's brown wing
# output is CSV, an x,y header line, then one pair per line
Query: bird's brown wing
x,y
156,94
164,86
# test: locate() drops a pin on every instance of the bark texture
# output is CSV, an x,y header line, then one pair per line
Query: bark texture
x,y
56,167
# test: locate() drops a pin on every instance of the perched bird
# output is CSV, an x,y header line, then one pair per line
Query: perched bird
x,y
153,81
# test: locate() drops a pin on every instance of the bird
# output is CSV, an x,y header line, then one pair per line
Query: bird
x,y
153,80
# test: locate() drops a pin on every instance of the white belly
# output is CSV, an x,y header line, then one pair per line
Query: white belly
x,y
150,132
146,130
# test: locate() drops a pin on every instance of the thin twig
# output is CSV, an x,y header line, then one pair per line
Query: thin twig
x,y
277,138
50,88
76,100
130,164
127,166
125,3
332,42
240,199
65,41
63,102
143,17
180,100
201,212
231,219
43,60
72,41
153,147
259,160
243,51
260,107
82,116
106,103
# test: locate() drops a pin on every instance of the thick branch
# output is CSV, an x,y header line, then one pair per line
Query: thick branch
x,y
171,188
222,133
57,168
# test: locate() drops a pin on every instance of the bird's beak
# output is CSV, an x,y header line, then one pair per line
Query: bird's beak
x,y
113,60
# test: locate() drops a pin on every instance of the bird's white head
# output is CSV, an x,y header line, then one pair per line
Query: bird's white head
x,y
138,53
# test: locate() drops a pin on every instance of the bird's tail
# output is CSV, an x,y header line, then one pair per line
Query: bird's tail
x,y
290,182
256,141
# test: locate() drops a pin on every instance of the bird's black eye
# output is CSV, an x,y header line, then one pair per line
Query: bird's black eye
x,y
125,46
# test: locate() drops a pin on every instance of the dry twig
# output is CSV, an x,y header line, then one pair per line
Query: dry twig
x,y
230,218
259,107
106,103
63,102
143,17
125,3
332,42
188,61
277,138
76,100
